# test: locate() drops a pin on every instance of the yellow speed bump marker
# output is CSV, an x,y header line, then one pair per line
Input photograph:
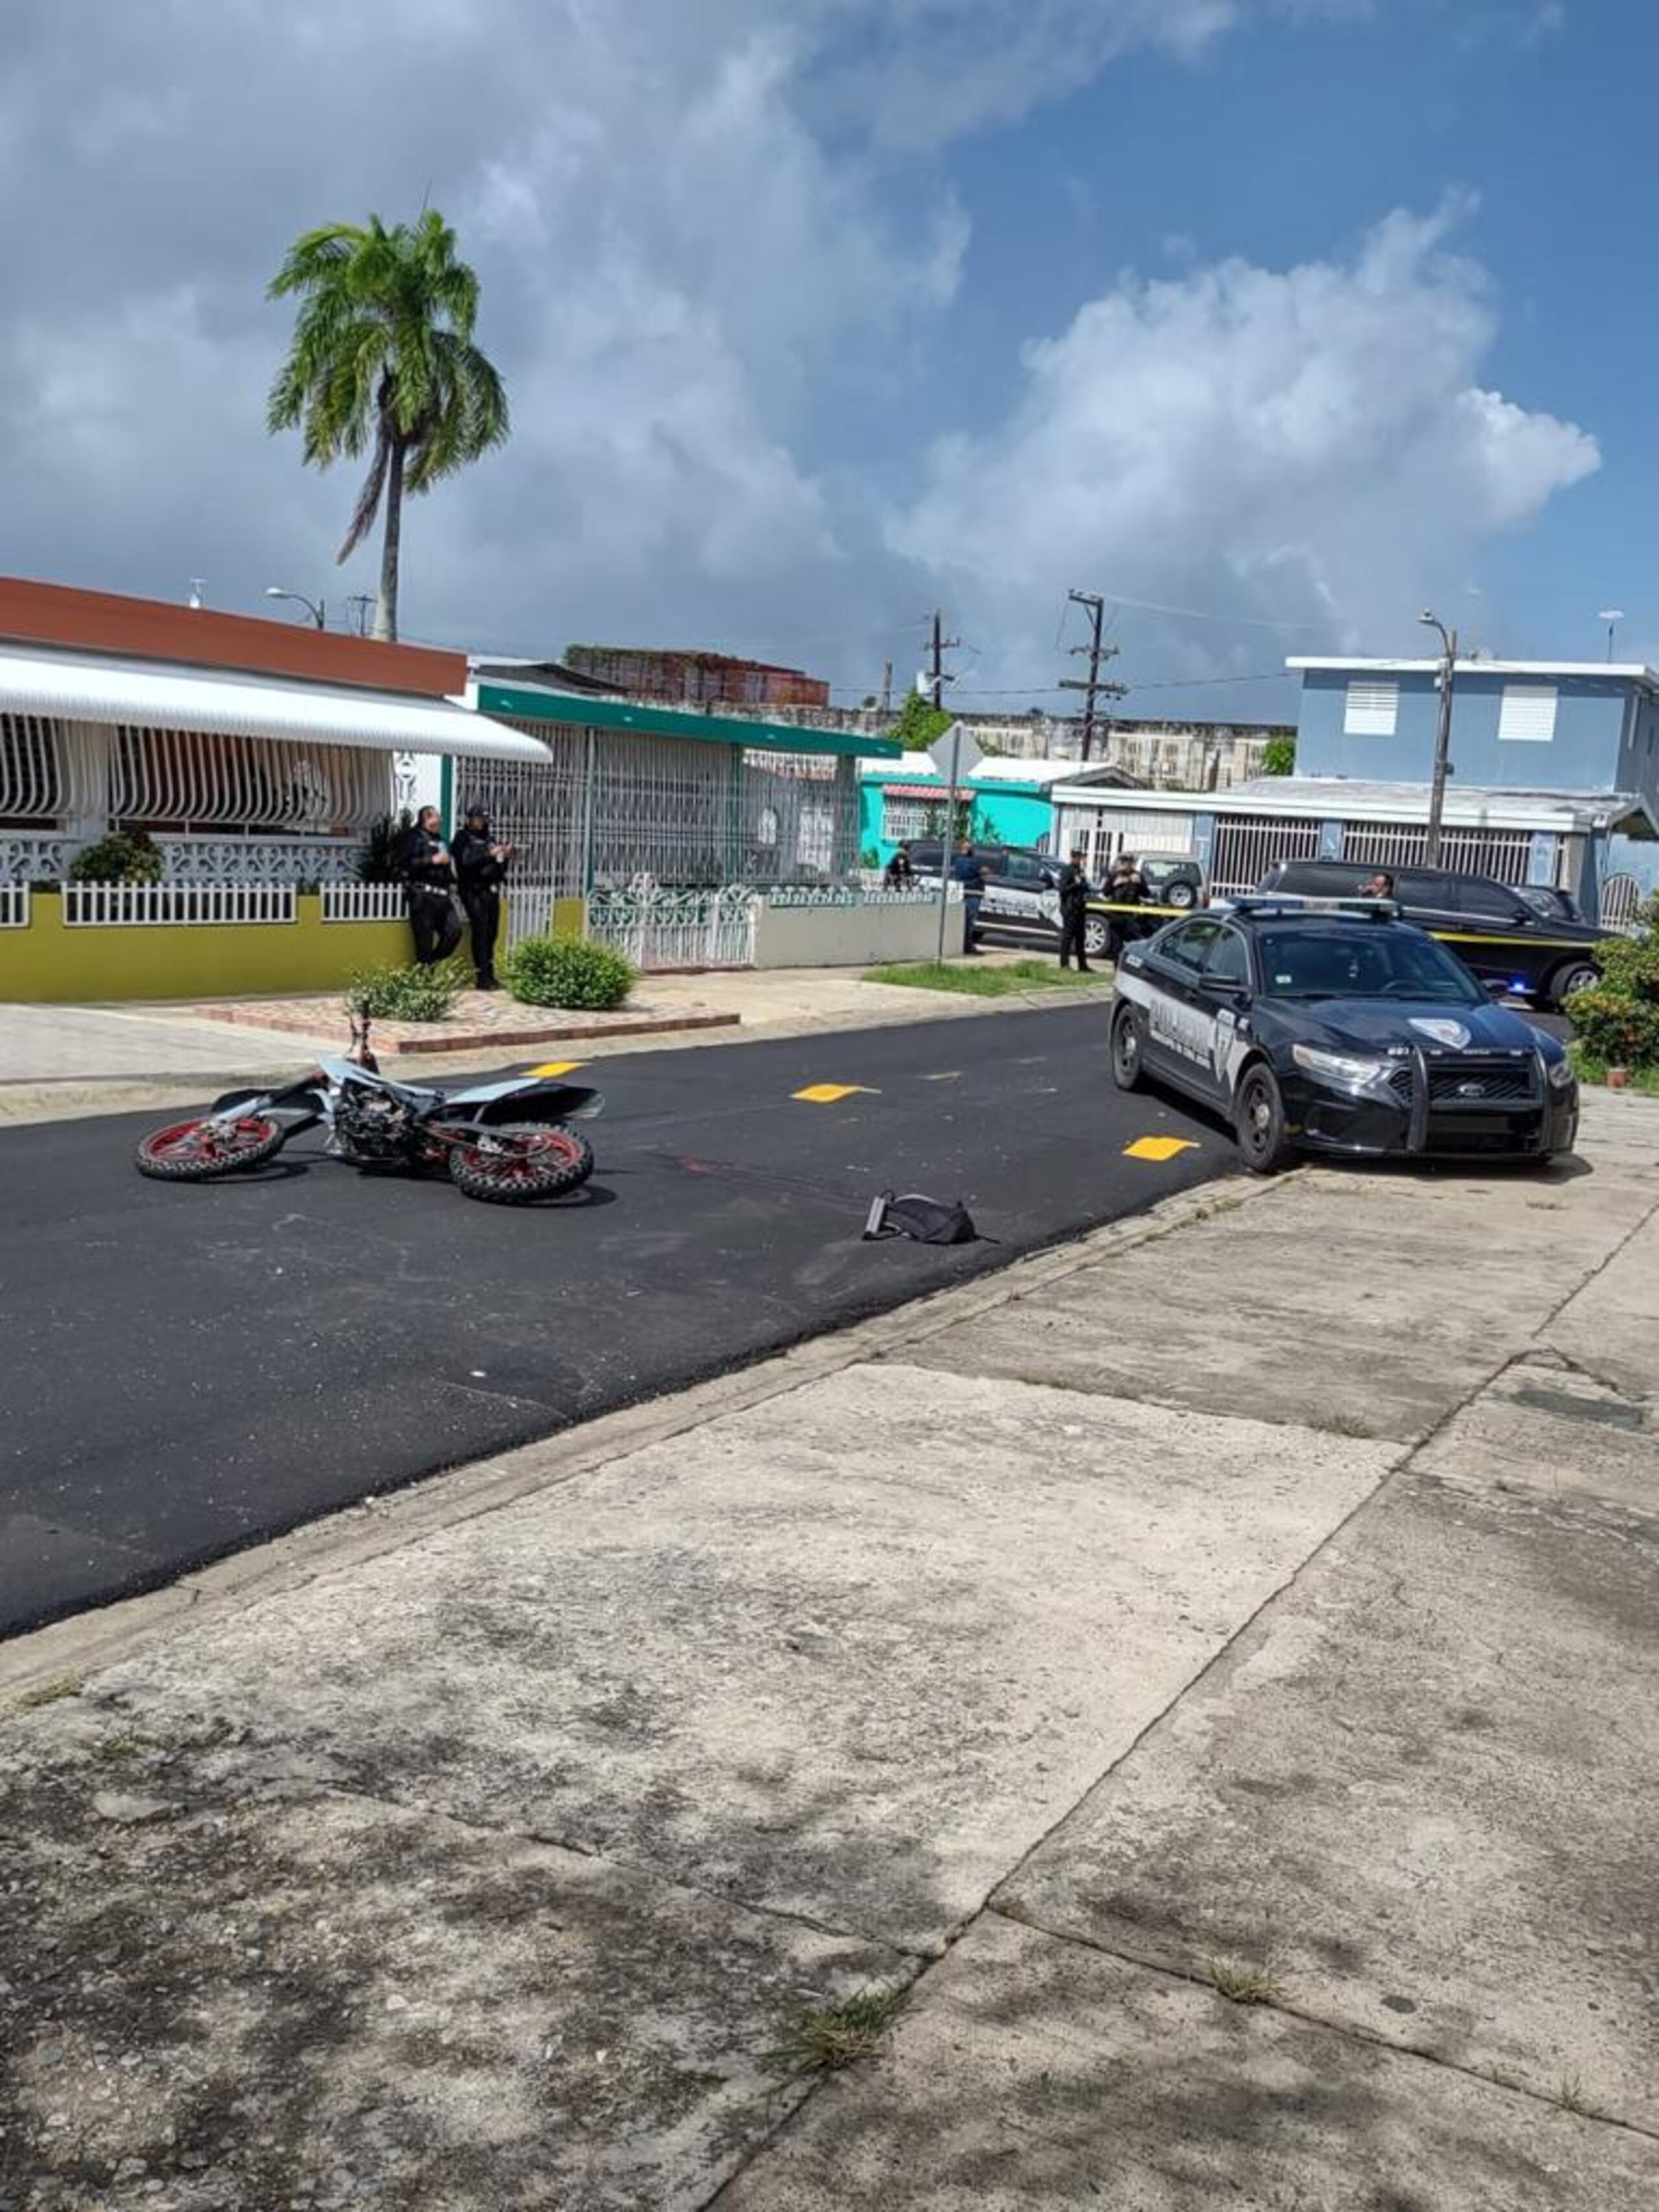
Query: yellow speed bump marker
x,y
826,1094
1158,1148
558,1067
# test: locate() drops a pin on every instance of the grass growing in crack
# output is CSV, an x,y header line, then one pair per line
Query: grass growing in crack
x,y
48,1693
1570,2094
1341,1424
824,2040
1240,1983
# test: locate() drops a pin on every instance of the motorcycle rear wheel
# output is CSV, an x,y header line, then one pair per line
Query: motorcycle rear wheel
x,y
536,1162
203,1150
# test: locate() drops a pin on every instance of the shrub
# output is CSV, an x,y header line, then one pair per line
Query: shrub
x,y
1616,1027
380,858
1629,967
125,856
406,994
565,971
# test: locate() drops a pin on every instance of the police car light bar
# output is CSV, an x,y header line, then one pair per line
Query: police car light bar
x,y
1272,903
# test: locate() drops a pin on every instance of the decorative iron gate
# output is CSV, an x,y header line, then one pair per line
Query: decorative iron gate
x,y
657,927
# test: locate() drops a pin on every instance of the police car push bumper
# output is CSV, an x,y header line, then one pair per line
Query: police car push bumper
x,y
1423,1101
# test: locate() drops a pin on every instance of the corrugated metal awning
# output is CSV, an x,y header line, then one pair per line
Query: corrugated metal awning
x,y
89,687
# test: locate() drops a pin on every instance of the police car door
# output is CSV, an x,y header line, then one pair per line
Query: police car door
x,y
1182,1033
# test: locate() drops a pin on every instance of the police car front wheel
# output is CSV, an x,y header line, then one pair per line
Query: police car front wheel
x,y
1126,1049
1259,1116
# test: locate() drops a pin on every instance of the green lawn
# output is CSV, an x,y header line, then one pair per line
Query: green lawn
x,y
1001,980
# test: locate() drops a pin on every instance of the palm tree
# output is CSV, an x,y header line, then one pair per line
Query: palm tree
x,y
383,357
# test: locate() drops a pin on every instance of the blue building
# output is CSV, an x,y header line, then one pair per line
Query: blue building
x,y
1554,781
1587,731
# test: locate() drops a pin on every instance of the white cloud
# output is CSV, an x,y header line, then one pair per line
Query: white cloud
x,y
1314,444
704,235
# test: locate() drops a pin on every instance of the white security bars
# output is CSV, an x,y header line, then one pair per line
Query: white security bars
x,y
186,776
1504,854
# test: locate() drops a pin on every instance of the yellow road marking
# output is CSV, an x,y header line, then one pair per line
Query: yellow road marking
x,y
1158,1148
558,1067
825,1094
951,1075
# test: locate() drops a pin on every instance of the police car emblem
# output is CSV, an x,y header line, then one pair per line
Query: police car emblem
x,y
1442,1032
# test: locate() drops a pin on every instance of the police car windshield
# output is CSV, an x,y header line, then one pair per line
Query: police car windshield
x,y
1373,962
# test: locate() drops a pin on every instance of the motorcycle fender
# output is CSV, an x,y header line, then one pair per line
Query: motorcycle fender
x,y
298,1107
548,1101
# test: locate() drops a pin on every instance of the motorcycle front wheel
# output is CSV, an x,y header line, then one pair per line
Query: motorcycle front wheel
x,y
516,1166
200,1150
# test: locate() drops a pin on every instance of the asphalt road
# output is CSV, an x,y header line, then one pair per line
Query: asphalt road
x,y
189,1368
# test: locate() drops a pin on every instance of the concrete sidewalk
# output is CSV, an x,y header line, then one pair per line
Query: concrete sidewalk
x,y
1259,1597
57,1062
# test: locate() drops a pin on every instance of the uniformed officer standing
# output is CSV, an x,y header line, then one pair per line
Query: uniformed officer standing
x,y
480,868
1074,912
429,876
1126,886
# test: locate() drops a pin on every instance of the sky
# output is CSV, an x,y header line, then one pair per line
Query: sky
x,y
1272,321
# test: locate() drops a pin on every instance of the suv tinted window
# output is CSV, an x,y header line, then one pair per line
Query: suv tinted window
x,y
1427,887
1492,901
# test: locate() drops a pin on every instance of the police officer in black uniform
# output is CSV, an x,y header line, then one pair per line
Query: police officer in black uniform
x,y
480,866
1074,912
428,878
1126,886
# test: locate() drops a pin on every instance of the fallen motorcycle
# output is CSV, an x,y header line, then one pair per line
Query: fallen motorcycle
x,y
507,1143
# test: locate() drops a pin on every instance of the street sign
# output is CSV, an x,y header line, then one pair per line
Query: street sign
x,y
954,754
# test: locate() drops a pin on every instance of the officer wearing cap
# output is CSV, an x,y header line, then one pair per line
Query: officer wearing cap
x,y
480,867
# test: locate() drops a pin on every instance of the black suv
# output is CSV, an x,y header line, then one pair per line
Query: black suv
x,y
1492,929
1337,1032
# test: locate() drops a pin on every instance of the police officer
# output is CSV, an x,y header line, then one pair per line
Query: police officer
x,y
480,866
1073,912
968,870
1126,886
428,875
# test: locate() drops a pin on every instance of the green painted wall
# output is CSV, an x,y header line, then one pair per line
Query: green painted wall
x,y
1023,816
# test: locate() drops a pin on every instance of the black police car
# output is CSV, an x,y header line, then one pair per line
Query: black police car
x,y
1338,1028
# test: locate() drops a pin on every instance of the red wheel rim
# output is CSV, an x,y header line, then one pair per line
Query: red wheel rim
x,y
208,1141
522,1164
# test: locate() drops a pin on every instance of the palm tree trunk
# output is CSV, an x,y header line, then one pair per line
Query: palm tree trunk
x,y
386,607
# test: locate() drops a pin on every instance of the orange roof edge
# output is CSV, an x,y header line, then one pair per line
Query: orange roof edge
x,y
36,614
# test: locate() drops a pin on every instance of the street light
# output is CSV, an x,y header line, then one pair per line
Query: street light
x,y
312,607
1612,617
1442,736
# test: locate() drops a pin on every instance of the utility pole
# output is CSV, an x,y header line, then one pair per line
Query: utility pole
x,y
1098,651
363,601
886,687
937,681
1441,737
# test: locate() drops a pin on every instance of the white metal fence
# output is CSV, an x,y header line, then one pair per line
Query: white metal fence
x,y
154,905
1504,853
660,928
363,903
14,906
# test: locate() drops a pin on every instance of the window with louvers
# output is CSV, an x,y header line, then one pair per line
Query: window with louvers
x,y
1372,709
1527,714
